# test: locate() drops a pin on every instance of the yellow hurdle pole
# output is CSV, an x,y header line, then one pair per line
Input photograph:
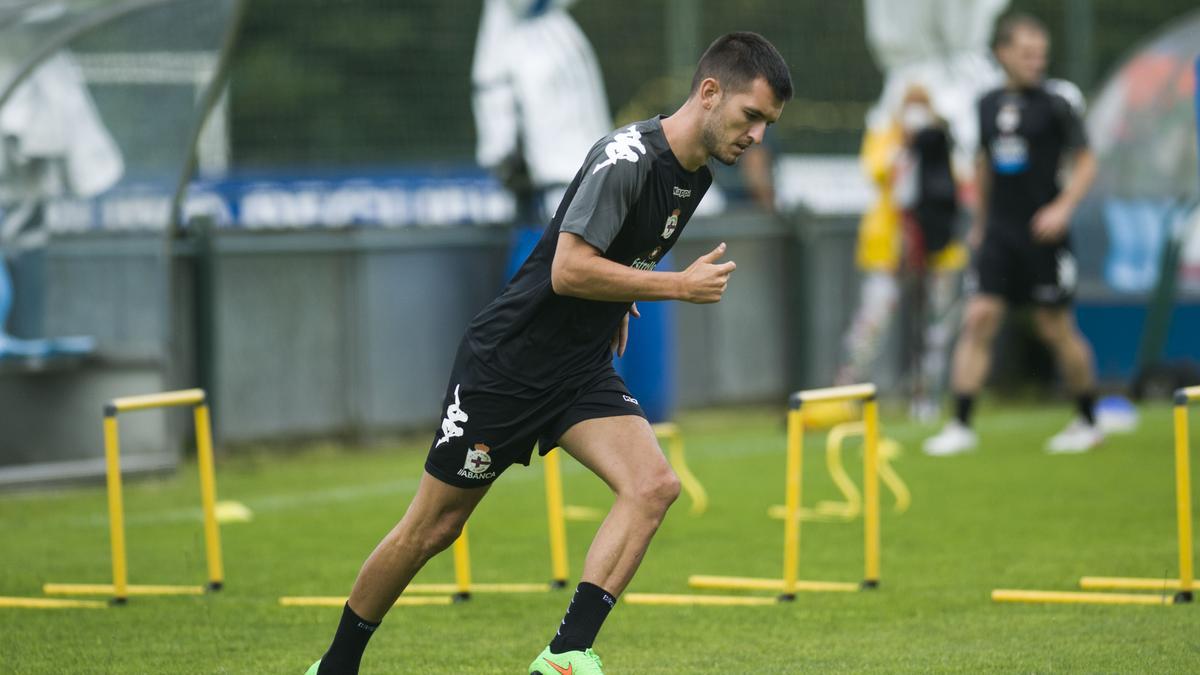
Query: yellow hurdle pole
x,y
556,521
850,392
462,566
871,492
116,508
834,442
165,399
791,505
1183,497
1076,598
687,479
208,497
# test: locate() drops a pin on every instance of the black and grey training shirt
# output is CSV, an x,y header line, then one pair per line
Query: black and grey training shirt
x,y
631,200
1025,134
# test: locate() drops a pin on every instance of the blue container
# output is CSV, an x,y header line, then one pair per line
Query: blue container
x,y
648,366
521,243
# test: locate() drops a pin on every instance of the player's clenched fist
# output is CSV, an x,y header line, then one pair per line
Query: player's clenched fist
x,y
704,281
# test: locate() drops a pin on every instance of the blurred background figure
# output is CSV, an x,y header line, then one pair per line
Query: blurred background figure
x,y
1030,129
914,218
539,104
916,152
53,145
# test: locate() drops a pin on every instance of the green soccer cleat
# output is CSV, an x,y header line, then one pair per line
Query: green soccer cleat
x,y
312,670
567,663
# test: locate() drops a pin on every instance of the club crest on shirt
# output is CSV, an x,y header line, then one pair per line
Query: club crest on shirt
x,y
1008,118
672,223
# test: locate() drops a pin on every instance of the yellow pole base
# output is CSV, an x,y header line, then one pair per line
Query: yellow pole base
x,y
107,589
1128,584
753,584
1075,598
480,588
50,603
825,512
324,601
656,599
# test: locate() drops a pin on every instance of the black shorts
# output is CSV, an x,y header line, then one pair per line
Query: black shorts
x,y
1023,271
490,422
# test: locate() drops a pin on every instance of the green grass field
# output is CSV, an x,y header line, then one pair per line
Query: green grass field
x,y
1007,516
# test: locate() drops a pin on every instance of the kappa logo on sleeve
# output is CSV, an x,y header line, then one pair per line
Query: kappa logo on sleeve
x,y
455,416
622,146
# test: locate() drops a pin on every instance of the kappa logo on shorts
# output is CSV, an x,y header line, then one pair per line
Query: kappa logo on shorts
x,y
455,415
477,463
1068,271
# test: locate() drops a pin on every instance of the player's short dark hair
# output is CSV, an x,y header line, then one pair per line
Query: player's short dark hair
x,y
737,59
1008,26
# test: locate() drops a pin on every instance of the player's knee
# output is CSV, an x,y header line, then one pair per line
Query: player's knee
x,y
659,491
441,534
980,323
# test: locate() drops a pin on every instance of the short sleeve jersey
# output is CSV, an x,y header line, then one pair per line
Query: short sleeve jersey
x,y
1025,134
630,200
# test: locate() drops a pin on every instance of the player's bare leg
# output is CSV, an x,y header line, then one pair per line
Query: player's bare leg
x,y
432,522
971,362
973,352
1056,327
624,453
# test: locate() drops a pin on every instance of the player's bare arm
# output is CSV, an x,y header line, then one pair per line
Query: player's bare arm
x,y
1050,223
580,271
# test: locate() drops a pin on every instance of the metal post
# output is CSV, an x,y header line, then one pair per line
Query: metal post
x,y
871,492
1183,498
208,497
791,505
556,520
116,509
462,567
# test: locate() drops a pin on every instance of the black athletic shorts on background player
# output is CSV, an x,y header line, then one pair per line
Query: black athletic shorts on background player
x,y
1023,271
490,422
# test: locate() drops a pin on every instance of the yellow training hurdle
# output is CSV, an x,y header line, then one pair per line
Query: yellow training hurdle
x,y
121,589
851,507
1169,591
790,583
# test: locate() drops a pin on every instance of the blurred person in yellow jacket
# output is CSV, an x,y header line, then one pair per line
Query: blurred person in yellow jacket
x,y
910,226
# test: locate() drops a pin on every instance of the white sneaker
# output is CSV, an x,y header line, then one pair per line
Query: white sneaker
x,y
953,439
1079,436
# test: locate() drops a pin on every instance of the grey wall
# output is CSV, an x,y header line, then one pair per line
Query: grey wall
x,y
735,350
351,333
113,288
345,334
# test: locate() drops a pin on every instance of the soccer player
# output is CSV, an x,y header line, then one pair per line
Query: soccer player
x,y
1029,129
535,365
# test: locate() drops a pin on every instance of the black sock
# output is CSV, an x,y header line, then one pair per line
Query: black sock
x,y
587,612
963,406
349,642
1087,408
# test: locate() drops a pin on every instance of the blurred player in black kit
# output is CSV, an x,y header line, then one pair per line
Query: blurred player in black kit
x,y
1029,130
